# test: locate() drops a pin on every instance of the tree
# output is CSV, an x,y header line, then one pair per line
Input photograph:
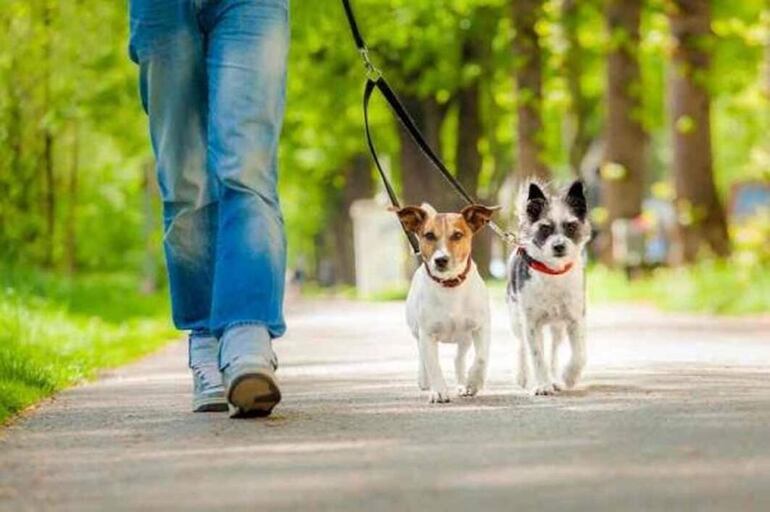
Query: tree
x,y
421,182
70,231
475,67
702,218
359,184
469,122
625,140
66,150
47,133
529,95
580,105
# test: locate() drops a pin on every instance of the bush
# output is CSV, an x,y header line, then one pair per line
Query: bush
x,y
711,286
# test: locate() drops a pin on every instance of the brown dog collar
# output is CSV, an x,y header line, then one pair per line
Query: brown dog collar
x,y
454,281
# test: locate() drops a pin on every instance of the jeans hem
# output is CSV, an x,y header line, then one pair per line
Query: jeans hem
x,y
198,334
273,332
242,323
201,333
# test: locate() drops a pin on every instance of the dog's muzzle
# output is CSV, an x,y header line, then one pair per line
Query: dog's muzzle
x,y
441,263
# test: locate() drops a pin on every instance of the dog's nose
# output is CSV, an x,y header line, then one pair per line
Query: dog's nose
x,y
441,262
559,249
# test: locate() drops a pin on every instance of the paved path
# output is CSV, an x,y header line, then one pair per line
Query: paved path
x,y
674,414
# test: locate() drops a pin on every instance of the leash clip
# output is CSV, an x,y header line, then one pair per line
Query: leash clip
x,y
372,73
505,236
510,238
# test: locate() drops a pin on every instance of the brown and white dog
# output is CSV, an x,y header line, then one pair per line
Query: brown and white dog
x,y
448,301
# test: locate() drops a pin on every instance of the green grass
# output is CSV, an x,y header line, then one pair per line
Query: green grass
x,y
56,331
711,286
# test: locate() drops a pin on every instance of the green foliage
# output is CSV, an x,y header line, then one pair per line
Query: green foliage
x,y
65,75
417,47
56,331
711,286
750,240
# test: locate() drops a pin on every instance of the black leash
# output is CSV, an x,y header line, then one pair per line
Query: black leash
x,y
375,80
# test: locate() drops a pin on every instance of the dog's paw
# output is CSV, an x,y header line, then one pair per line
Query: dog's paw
x,y
422,380
546,389
474,384
522,380
467,391
571,375
438,397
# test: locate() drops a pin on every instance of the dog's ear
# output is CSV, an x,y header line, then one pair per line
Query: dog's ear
x,y
576,200
411,217
477,215
536,202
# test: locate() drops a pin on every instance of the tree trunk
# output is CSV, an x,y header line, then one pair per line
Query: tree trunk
x,y
469,132
72,201
623,167
358,185
527,55
421,182
48,170
578,137
14,131
469,128
702,218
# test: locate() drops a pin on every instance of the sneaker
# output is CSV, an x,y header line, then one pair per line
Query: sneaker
x,y
208,388
249,372
252,390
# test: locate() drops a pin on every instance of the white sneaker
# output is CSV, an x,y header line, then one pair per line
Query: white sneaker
x,y
248,366
208,387
252,389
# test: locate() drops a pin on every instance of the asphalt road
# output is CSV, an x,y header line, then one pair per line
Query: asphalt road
x,y
673,414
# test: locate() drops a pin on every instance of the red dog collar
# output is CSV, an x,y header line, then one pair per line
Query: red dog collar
x,y
542,267
453,282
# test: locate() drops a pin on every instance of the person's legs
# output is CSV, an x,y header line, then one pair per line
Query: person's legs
x,y
167,44
246,64
246,67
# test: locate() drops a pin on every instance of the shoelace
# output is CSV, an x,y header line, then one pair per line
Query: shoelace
x,y
208,373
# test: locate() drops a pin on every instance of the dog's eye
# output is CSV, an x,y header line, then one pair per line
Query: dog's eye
x,y
457,235
570,228
430,236
545,230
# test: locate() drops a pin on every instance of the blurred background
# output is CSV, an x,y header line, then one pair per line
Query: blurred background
x,y
662,107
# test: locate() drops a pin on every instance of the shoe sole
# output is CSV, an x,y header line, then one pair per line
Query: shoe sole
x,y
212,404
253,395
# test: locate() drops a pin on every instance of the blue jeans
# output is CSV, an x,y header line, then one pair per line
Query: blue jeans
x,y
213,82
